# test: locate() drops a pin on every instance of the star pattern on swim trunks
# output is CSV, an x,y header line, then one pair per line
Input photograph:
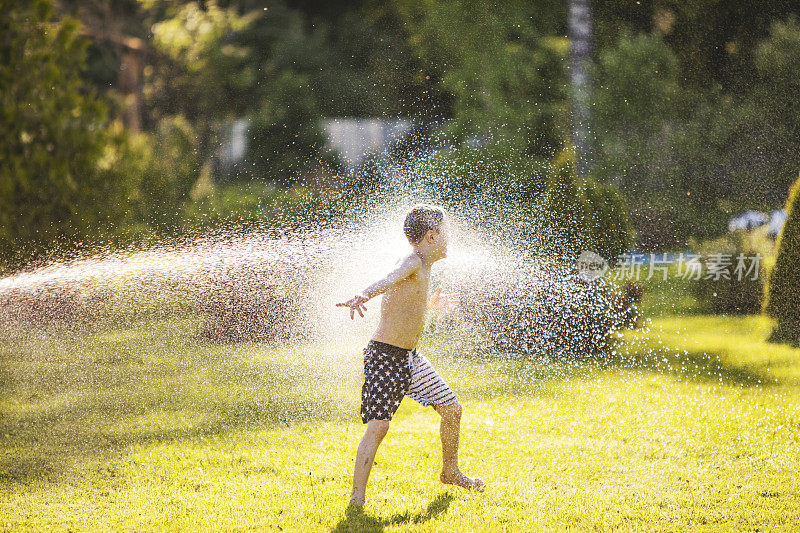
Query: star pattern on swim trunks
x,y
388,378
386,381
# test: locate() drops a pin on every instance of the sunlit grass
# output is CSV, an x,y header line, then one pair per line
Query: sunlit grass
x,y
147,428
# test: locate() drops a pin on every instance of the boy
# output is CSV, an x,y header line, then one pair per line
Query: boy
x,y
393,367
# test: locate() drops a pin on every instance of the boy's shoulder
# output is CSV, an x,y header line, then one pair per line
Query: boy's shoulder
x,y
408,265
411,260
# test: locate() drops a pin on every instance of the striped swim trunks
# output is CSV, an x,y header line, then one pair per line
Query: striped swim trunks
x,y
391,372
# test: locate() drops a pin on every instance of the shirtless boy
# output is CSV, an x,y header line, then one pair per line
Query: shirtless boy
x,y
393,367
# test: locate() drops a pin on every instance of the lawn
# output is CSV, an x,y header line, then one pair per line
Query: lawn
x,y
694,423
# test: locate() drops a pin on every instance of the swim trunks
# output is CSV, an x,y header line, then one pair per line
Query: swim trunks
x,y
391,372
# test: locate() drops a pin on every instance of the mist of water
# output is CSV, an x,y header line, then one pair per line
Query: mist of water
x,y
94,333
254,287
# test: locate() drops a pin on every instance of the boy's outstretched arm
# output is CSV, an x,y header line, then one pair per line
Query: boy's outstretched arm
x,y
408,266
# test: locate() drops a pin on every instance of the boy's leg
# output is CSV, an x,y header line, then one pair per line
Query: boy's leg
x,y
428,388
385,382
376,430
449,430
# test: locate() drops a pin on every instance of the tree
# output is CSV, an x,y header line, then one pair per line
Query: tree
x,y
776,94
689,159
285,137
782,300
713,41
58,181
228,62
636,99
502,63
207,77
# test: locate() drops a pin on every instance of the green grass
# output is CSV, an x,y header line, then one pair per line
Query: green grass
x,y
662,297
671,296
694,424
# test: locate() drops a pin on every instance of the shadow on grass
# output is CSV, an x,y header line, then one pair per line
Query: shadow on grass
x,y
696,365
357,520
525,377
67,408
44,447
71,405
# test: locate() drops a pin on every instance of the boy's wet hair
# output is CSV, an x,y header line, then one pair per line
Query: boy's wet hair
x,y
420,219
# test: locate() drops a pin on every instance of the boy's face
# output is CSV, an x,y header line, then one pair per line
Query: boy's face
x,y
442,239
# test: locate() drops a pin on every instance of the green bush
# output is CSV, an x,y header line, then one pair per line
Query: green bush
x,y
169,169
496,186
739,293
531,199
582,214
255,205
782,300
543,311
565,212
611,228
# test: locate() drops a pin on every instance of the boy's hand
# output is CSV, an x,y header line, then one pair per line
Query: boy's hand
x,y
355,304
443,302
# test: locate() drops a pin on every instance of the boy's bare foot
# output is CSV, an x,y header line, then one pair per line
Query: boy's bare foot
x,y
461,480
